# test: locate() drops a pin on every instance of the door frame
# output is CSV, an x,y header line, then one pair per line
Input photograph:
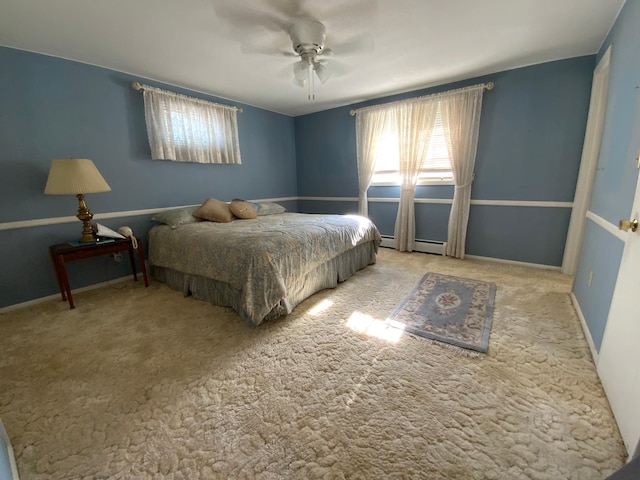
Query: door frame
x,y
588,164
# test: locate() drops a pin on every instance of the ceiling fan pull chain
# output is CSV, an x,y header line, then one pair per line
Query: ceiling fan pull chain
x,y
313,82
309,79
310,91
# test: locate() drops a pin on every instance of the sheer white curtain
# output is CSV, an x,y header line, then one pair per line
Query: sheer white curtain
x,y
414,123
188,129
370,127
461,121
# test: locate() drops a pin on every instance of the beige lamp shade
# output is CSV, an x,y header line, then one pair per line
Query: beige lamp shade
x,y
74,176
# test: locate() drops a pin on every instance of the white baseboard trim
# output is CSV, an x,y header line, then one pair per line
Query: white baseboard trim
x,y
388,242
514,262
420,245
37,301
585,328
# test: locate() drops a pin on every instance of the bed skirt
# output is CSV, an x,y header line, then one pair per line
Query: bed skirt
x,y
326,275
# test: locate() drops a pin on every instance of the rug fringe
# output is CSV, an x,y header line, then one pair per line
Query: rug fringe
x,y
454,348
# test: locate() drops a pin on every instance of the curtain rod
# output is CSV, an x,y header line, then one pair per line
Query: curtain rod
x,y
486,86
140,87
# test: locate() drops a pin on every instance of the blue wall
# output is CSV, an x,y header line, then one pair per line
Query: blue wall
x,y
530,144
616,173
53,108
601,254
529,149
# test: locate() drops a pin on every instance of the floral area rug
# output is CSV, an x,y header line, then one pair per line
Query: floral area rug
x,y
454,310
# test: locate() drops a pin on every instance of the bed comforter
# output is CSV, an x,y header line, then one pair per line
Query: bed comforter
x,y
260,259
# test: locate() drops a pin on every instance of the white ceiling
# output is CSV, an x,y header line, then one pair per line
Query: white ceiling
x,y
202,44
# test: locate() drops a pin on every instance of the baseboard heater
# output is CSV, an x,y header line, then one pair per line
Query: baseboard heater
x,y
425,246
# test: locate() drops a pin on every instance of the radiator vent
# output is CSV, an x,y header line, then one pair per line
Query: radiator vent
x,y
424,246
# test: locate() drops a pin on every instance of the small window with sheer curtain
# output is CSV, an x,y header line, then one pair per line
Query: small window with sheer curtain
x,y
436,167
188,129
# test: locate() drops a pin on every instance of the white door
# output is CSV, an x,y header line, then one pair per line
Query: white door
x,y
619,356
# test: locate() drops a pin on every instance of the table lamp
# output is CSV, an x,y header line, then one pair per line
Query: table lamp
x,y
77,176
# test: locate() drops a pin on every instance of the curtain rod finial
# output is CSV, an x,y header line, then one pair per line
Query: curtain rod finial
x,y
489,85
137,85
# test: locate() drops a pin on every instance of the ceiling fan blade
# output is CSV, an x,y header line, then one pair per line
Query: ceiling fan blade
x,y
330,68
338,68
353,12
252,49
285,72
288,8
245,15
356,45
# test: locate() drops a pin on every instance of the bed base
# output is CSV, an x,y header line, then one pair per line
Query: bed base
x,y
326,275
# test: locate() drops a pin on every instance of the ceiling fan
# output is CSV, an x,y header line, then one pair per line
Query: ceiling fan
x,y
308,37
307,34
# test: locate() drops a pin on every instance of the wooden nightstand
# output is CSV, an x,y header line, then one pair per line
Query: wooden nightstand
x,y
62,253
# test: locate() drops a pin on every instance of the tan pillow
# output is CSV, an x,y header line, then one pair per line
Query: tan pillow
x,y
242,209
214,210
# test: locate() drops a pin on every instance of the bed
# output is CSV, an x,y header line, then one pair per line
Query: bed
x,y
262,267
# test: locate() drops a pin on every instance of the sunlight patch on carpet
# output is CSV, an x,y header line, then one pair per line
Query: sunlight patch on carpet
x,y
361,323
320,307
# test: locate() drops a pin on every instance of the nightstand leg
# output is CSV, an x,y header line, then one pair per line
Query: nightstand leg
x,y
133,263
56,269
62,267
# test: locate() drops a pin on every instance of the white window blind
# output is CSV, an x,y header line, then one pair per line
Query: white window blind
x,y
436,167
188,129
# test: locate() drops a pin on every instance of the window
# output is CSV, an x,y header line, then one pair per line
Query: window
x,y
189,129
436,167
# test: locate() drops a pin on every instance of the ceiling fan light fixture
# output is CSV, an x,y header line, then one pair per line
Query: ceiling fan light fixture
x,y
299,83
300,70
322,72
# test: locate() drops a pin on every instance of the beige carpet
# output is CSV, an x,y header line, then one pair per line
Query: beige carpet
x,y
144,383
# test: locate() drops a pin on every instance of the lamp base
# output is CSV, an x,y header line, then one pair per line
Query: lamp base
x,y
85,216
